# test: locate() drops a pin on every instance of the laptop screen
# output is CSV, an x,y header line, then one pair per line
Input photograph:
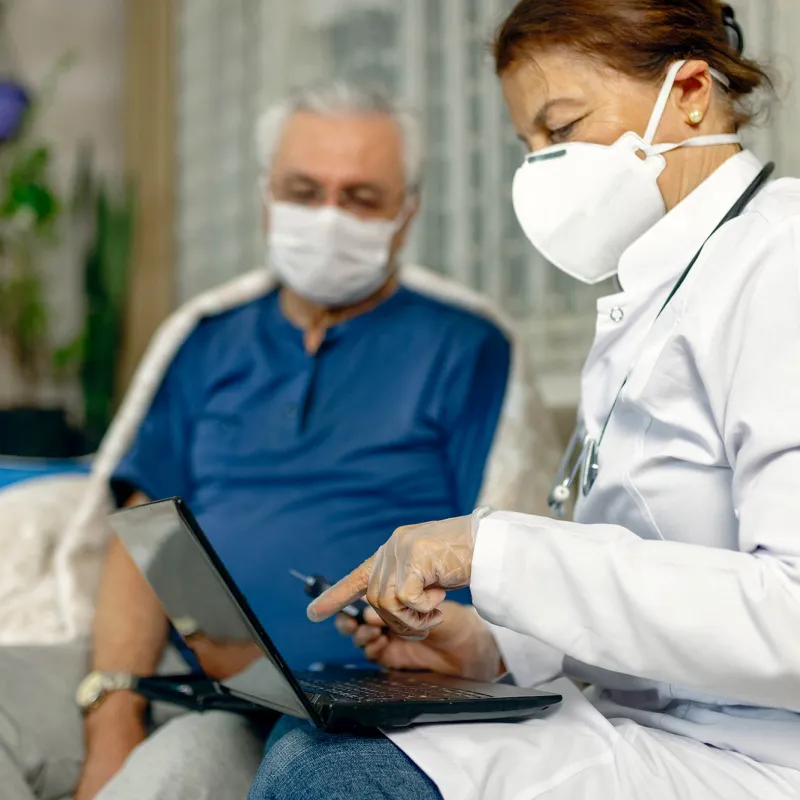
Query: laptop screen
x,y
193,591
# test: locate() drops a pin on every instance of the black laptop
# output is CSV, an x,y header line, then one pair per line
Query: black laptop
x,y
195,589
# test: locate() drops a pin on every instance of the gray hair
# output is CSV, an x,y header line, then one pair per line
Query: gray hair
x,y
340,97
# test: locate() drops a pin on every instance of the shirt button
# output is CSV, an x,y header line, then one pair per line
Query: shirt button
x,y
617,314
290,411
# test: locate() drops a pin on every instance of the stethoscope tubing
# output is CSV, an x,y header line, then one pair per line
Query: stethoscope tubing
x,y
587,463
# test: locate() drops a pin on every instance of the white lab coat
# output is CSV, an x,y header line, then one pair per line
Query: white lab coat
x,y
678,597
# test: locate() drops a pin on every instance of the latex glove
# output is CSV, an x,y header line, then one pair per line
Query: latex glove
x,y
407,579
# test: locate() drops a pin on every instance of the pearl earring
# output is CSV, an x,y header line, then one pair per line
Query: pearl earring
x,y
696,117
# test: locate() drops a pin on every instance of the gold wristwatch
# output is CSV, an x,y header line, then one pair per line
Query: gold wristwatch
x,y
97,685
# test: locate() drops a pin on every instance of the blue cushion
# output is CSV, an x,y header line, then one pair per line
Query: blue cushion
x,y
14,470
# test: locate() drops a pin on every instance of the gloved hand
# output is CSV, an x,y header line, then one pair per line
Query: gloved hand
x,y
407,579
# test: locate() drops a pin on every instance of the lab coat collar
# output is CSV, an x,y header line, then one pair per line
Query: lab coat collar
x,y
661,255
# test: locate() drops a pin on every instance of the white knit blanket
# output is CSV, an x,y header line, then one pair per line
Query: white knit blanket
x,y
53,532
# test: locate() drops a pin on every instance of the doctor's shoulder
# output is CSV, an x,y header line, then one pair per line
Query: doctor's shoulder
x,y
762,245
742,312
770,250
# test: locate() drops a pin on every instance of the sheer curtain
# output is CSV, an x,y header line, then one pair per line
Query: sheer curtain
x,y
236,56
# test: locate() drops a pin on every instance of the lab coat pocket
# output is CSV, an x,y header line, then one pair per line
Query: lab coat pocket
x,y
676,448
636,412
648,358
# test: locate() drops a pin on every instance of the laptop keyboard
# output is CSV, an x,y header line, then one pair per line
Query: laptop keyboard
x,y
384,688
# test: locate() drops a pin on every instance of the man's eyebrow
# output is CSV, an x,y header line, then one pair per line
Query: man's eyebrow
x,y
540,119
300,176
355,186
365,186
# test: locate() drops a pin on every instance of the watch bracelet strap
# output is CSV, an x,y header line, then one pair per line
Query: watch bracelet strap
x,y
120,681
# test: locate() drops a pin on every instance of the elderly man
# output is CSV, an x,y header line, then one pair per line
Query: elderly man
x,y
302,425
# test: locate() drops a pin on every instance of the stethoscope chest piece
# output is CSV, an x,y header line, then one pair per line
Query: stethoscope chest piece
x,y
584,469
559,497
590,466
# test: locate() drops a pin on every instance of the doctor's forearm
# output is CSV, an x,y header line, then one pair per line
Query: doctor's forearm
x,y
718,621
530,661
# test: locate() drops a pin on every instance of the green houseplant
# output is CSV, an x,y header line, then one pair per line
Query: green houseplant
x,y
104,218
30,214
97,222
29,211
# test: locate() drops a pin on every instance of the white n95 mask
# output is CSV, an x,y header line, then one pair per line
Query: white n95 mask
x,y
327,255
583,205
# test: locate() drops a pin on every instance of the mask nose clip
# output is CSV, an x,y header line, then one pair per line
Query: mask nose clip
x,y
532,158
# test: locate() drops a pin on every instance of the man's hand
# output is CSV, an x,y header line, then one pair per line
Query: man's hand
x,y
462,645
407,579
221,660
113,731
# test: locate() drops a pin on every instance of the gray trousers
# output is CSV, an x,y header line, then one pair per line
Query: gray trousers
x,y
211,756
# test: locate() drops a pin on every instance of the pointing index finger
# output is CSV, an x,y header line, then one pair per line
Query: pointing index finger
x,y
341,594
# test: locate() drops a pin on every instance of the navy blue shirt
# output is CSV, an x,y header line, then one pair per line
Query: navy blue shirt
x,y
310,462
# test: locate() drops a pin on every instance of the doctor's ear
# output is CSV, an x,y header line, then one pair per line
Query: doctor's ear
x,y
694,88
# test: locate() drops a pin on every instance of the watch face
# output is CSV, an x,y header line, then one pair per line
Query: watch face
x,y
96,685
92,688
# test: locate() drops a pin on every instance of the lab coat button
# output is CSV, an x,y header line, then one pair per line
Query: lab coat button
x,y
617,314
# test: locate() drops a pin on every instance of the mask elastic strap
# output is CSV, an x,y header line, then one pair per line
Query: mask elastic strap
x,y
663,99
719,77
661,103
405,213
697,141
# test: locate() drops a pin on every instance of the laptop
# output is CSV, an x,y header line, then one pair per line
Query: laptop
x,y
189,578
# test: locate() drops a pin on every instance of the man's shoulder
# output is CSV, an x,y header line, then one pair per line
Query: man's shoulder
x,y
449,316
224,326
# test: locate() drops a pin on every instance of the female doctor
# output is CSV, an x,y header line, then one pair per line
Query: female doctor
x,y
676,594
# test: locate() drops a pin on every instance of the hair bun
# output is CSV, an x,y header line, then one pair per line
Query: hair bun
x,y
733,28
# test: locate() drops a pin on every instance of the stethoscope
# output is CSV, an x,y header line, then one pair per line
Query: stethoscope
x,y
581,459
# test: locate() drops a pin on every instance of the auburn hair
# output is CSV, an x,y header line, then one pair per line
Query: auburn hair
x,y
639,38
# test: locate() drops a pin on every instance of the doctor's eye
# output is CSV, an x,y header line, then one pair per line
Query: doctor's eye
x,y
564,132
